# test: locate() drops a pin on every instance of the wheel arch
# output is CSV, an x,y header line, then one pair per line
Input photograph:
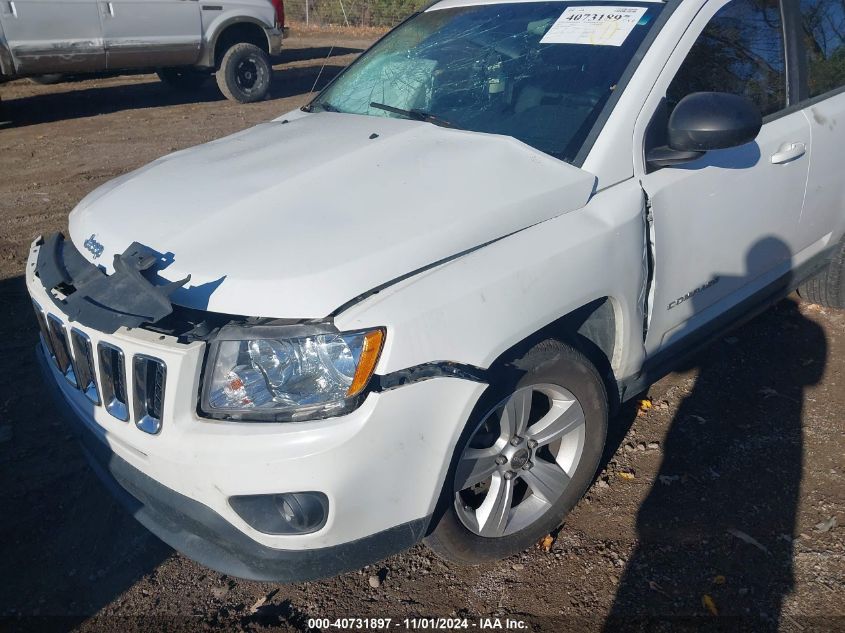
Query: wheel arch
x,y
233,30
592,329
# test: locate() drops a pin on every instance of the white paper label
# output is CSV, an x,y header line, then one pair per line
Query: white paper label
x,y
596,26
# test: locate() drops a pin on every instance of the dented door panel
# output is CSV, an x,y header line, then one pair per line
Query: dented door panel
x,y
742,213
53,36
727,224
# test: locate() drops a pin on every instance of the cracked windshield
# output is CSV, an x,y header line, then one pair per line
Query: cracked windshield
x,y
540,72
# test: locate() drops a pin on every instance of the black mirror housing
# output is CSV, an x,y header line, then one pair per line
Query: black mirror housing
x,y
704,121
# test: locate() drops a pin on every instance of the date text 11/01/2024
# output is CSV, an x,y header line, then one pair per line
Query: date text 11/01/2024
x,y
418,624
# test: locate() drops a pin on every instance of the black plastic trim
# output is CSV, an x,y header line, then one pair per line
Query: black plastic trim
x,y
202,535
261,512
100,301
427,371
795,60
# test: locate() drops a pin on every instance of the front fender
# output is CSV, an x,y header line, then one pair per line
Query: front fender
x,y
472,309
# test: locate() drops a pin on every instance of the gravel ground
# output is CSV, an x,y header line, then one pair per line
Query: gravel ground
x,y
723,495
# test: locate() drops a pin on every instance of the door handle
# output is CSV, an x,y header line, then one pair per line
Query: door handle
x,y
788,152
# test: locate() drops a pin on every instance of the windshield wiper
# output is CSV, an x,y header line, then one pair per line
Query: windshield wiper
x,y
413,114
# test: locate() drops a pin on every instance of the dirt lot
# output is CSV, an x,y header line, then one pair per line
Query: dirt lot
x,y
717,499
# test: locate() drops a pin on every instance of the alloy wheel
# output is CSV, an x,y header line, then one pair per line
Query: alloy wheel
x,y
519,461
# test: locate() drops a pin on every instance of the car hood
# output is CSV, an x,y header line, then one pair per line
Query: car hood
x,y
293,218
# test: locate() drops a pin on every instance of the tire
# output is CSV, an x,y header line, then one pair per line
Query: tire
x,y
185,78
244,74
552,372
827,287
48,80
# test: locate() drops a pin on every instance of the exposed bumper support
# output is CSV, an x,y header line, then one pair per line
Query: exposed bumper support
x,y
104,302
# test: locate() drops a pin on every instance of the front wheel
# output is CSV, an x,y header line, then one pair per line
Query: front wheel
x,y
527,457
244,74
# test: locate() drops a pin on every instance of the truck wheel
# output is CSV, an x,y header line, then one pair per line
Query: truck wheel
x,y
182,78
244,74
527,456
827,287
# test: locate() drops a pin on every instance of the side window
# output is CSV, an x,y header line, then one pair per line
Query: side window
x,y
823,23
740,51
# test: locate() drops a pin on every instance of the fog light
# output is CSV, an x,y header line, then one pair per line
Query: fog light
x,y
284,513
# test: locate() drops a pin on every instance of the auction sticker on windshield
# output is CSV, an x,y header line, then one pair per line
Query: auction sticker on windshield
x,y
596,26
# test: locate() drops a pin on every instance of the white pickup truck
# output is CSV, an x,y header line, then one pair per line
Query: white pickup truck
x,y
407,310
184,40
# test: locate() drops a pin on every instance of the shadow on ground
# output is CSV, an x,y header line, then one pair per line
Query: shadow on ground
x,y
68,548
75,101
715,533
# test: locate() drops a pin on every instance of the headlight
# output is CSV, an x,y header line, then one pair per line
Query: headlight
x,y
270,373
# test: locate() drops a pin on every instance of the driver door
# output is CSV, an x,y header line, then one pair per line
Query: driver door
x,y
725,226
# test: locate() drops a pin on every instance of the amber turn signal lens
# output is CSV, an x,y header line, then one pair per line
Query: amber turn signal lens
x,y
369,357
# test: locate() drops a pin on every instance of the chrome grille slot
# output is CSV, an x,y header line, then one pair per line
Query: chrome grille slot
x,y
113,377
44,330
149,376
61,351
84,363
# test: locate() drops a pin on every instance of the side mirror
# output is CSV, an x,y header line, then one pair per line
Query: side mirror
x,y
705,121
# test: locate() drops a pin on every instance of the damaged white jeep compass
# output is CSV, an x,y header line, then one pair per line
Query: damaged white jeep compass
x,y
404,311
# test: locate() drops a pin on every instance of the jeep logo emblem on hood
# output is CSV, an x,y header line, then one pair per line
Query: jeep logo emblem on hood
x,y
93,246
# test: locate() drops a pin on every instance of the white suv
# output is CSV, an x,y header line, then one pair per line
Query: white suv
x,y
406,311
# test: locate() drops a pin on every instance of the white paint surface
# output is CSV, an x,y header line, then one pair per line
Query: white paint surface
x,y
295,219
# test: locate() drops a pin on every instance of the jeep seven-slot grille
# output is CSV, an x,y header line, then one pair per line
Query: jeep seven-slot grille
x,y
72,353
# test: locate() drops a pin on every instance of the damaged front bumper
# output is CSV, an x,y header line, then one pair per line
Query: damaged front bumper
x,y
86,294
380,467
205,536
